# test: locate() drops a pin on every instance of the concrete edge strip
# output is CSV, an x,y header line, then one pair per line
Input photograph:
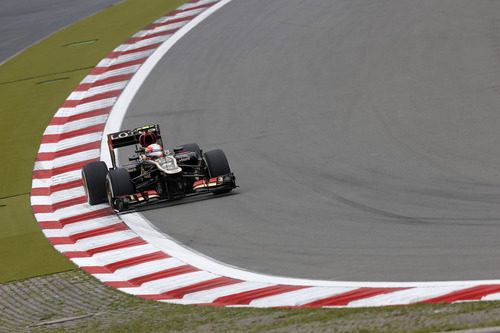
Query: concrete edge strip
x,y
126,251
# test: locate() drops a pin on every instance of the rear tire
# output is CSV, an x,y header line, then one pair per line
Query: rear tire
x,y
118,184
94,182
192,147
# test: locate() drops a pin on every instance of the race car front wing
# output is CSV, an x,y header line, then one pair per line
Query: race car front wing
x,y
219,184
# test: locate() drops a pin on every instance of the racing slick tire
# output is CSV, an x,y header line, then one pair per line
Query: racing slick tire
x,y
217,163
118,184
94,182
217,166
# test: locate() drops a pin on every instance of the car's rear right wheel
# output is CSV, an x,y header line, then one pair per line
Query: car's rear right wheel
x,y
192,147
94,182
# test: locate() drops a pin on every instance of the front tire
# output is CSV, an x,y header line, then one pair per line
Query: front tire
x,y
118,184
94,182
217,165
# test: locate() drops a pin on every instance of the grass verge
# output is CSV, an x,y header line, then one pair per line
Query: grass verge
x,y
33,85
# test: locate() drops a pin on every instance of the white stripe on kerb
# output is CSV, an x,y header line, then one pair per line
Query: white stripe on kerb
x,y
150,267
208,296
142,43
300,297
108,62
112,256
68,159
70,143
163,285
408,296
491,297
59,179
76,125
95,242
79,95
110,74
80,227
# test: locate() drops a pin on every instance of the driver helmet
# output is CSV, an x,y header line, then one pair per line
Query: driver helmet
x,y
154,151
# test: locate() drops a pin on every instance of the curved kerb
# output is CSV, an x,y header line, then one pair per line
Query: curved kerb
x,y
127,252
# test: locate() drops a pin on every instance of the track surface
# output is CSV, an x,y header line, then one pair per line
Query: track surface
x,y
25,22
364,137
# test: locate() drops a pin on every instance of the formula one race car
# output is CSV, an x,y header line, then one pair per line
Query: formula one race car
x,y
153,174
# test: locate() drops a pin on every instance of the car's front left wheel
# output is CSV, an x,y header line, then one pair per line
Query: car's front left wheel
x,y
118,184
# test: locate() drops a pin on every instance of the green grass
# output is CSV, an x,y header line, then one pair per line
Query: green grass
x,y
33,85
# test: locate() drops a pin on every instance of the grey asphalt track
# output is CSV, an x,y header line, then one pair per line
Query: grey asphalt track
x,y
364,135
25,22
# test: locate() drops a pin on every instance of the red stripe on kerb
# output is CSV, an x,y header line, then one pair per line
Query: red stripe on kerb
x,y
152,277
100,231
60,240
54,138
50,225
43,174
71,103
111,79
158,34
95,270
70,202
353,295
248,296
119,245
56,206
201,286
139,49
87,216
469,294
101,70
44,191
177,11
164,274
79,116
181,19
137,260
115,246
76,254
42,209
69,151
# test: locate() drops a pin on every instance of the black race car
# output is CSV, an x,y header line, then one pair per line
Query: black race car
x,y
153,174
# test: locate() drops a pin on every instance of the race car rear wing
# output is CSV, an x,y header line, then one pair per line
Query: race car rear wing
x,y
132,137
